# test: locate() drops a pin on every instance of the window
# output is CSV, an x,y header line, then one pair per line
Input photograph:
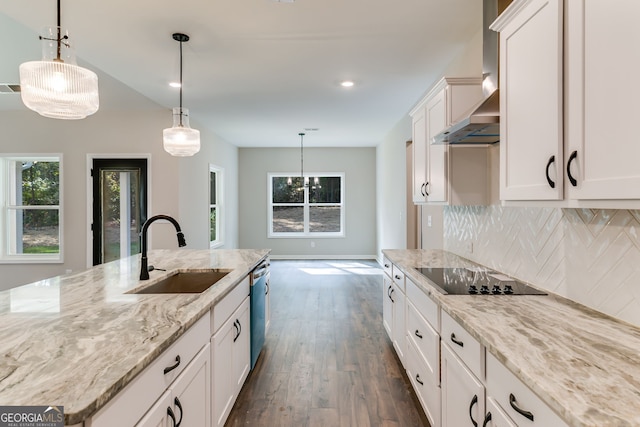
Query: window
x,y
215,206
31,216
313,209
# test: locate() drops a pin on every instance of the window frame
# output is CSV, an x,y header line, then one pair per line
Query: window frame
x,y
8,231
306,205
218,206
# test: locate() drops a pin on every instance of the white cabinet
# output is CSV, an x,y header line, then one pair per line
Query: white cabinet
x,y
462,393
567,115
393,307
181,371
187,402
230,350
423,350
387,305
517,403
531,95
436,179
267,305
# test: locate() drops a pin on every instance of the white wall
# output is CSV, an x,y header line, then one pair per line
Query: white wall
x,y
359,166
391,224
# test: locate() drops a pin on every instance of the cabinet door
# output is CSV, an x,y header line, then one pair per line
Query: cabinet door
x,y
242,347
602,95
419,150
398,325
190,393
531,107
462,393
158,415
267,305
495,416
387,305
436,114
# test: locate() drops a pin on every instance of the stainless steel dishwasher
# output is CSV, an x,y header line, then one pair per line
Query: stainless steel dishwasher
x,y
257,298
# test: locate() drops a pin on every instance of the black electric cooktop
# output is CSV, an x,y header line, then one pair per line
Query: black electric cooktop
x,y
475,281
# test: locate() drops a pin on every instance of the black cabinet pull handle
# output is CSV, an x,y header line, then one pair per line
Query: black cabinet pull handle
x,y
392,291
172,367
422,190
418,334
473,402
512,401
457,341
572,157
387,266
551,160
177,402
426,188
419,380
389,292
486,419
173,417
398,277
238,328
266,289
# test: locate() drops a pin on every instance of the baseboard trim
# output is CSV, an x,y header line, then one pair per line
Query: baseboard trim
x,y
323,257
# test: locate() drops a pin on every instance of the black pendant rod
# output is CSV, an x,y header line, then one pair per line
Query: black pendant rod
x,y
59,33
179,37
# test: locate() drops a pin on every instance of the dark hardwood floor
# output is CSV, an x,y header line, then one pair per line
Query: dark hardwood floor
x,y
327,360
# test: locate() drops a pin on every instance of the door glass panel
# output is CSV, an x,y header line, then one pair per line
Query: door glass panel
x,y
120,214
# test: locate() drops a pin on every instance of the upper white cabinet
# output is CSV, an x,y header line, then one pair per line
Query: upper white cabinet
x,y
434,180
568,90
531,159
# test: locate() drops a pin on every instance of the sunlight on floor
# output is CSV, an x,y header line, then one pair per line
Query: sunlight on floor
x,y
342,268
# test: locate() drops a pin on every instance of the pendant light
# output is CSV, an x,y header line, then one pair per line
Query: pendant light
x,y
56,86
180,140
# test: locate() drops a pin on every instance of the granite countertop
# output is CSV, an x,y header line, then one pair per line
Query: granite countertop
x,y
582,363
77,340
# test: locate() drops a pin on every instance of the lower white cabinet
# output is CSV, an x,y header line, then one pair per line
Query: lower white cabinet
x,y
230,351
462,393
181,371
267,305
515,399
187,402
393,311
387,304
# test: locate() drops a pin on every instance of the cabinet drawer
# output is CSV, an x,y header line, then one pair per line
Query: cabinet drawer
x,y
425,340
398,277
502,385
386,266
426,306
131,403
223,309
463,345
426,389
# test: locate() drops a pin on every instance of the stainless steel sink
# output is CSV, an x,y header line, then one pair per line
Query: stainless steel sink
x,y
189,282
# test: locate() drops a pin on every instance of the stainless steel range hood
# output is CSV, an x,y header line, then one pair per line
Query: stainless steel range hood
x,y
482,124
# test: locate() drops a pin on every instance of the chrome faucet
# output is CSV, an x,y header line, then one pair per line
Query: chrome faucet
x,y
144,268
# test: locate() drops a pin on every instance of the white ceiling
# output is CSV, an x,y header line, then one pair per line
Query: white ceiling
x,y
257,72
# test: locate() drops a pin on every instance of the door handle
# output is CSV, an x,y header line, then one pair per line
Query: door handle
x,y
552,159
573,181
172,367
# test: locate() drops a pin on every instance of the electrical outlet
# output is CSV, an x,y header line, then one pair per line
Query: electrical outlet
x,y
428,220
313,244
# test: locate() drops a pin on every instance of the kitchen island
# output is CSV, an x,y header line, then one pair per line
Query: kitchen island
x,y
581,363
77,340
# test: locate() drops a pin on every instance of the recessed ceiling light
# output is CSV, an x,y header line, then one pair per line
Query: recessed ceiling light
x,y
175,84
347,83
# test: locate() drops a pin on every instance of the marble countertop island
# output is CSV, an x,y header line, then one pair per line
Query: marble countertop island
x,y
77,340
585,365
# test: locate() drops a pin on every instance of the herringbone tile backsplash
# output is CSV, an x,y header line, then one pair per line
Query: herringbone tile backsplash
x,y
591,256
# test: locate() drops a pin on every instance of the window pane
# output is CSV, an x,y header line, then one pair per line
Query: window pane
x,y
212,225
287,219
40,231
287,190
324,219
324,189
212,188
40,183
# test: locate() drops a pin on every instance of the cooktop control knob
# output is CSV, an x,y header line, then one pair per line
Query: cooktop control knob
x,y
484,289
496,290
508,289
473,289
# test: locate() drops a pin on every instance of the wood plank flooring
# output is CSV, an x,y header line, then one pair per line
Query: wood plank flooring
x,y
327,360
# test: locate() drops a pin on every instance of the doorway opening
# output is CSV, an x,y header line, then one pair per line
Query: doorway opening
x,y
119,207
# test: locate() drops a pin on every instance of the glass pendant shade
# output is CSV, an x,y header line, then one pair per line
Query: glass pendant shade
x,y
180,140
55,86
